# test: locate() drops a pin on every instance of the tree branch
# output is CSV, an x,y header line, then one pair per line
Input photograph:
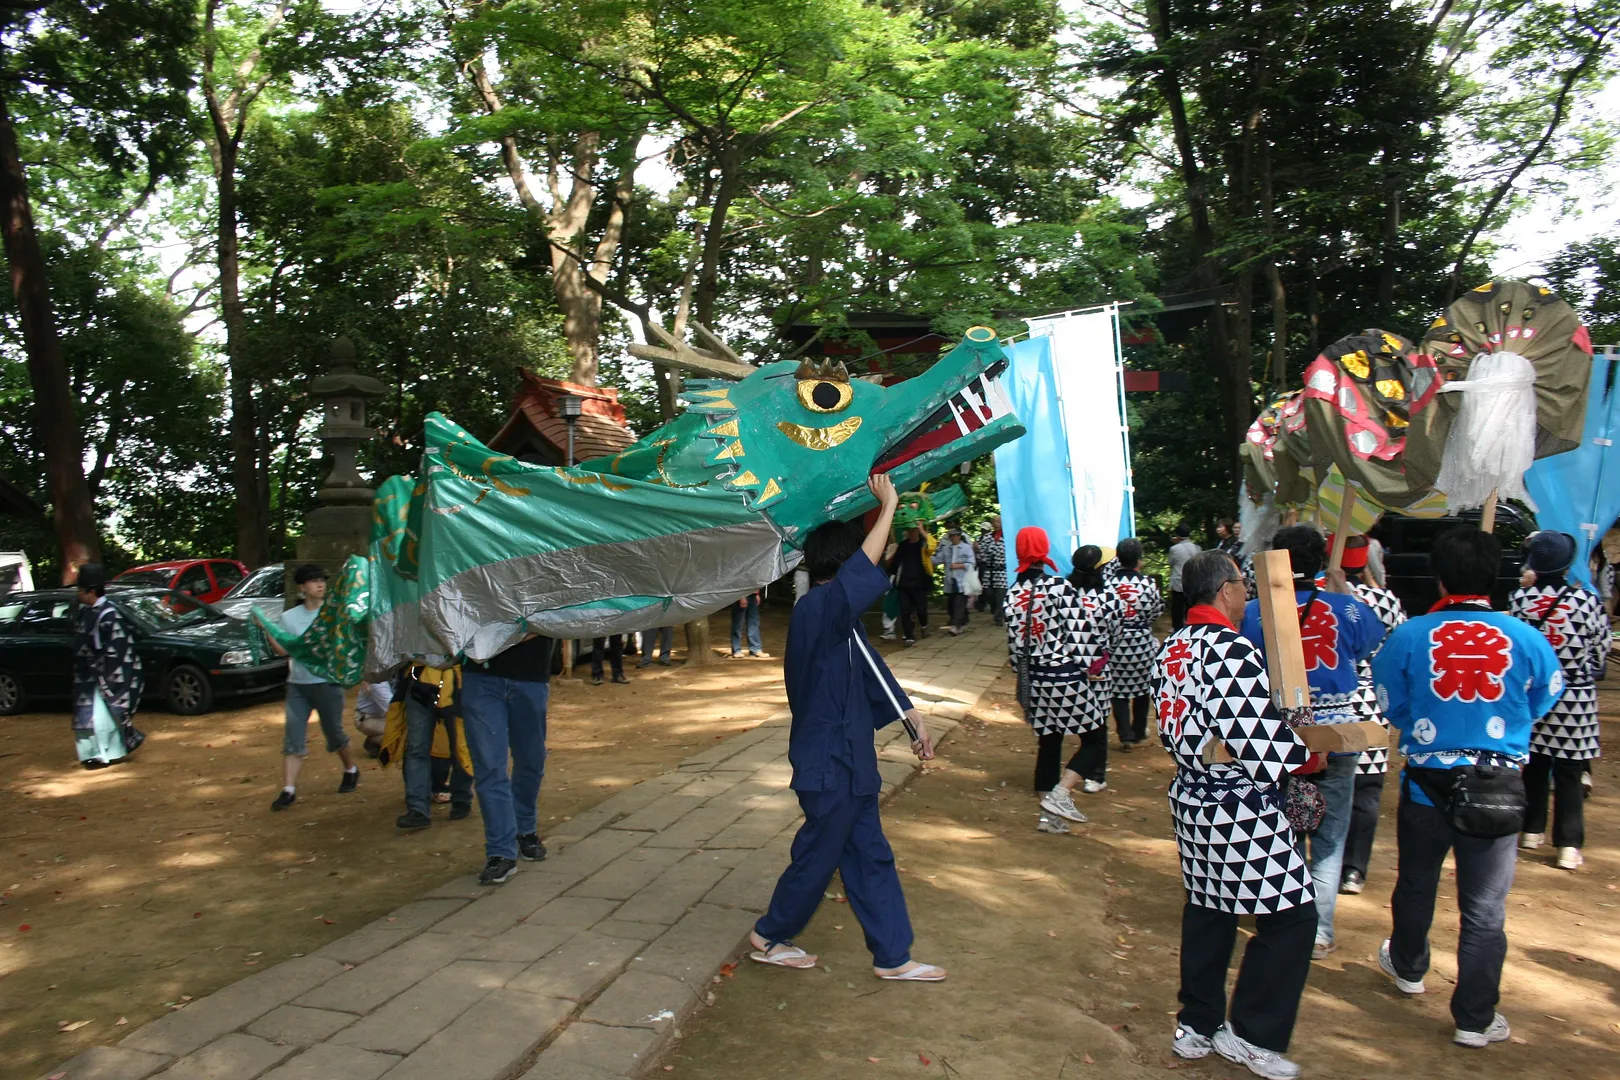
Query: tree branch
x,y
1560,105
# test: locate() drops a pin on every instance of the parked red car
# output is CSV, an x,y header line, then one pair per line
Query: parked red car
x,y
206,579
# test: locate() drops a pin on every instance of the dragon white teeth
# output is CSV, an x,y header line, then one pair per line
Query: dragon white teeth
x,y
975,403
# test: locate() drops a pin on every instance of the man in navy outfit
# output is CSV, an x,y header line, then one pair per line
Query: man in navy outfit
x,y
840,692
1463,684
1338,631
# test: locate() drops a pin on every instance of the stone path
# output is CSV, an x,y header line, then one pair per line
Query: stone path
x,y
592,957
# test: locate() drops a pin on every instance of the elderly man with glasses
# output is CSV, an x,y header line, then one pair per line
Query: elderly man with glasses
x,y
1238,855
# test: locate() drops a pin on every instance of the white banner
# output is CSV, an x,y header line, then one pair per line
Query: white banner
x,y
1090,386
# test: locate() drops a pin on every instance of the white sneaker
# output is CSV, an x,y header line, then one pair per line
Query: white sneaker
x,y
1091,787
1570,858
1529,841
1405,986
1191,1045
1050,824
888,636
1058,801
1258,1060
1497,1032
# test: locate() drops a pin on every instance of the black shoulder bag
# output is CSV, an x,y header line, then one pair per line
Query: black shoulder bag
x,y
1483,801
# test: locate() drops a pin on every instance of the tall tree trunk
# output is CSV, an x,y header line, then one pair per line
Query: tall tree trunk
x,y
71,509
1231,362
252,521
1391,239
714,236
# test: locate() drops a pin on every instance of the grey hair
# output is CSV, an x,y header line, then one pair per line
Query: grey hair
x,y
1204,575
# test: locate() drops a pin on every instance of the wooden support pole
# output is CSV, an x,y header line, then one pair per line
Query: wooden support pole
x,y
1279,623
1487,516
1285,667
1341,535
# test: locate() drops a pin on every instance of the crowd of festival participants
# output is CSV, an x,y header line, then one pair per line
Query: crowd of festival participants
x,y
1491,709
1495,712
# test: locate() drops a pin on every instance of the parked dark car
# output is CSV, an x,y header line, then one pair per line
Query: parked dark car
x,y
191,654
1406,553
265,588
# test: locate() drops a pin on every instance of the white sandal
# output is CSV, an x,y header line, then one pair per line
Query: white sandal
x,y
783,954
917,973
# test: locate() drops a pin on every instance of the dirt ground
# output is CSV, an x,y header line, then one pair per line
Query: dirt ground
x,y
1062,949
126,891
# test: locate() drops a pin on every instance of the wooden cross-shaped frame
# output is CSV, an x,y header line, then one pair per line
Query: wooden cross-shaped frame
x,y
1285,665
714,357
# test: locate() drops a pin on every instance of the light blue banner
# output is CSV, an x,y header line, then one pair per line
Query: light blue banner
x,y
1032,477
1579,492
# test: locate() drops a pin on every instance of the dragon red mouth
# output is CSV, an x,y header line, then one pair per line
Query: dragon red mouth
x,y
971,408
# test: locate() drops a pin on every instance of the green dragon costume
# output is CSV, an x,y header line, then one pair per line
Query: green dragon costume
x,y
478,548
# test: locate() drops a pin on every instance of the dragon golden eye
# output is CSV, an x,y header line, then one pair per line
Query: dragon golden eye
x,y
825,396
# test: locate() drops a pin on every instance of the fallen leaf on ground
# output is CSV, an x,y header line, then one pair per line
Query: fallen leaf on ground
x,y
1051,933
1521,1042
874,1060
64,1026
121,1021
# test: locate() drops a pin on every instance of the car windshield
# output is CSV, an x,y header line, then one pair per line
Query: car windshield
x,y
166,611
145,577
263,584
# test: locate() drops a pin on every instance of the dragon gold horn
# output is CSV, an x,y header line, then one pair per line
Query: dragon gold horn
x,y
806,370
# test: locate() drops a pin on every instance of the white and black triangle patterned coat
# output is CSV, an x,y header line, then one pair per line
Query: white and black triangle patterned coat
x,y
1574,623
1237,849
1130,667
990,552
1065,642
1387,606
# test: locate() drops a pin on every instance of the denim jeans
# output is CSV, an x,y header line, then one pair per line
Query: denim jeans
x,y
420,719
661,640
505,716
323,698
1484,876
1338,785
746,613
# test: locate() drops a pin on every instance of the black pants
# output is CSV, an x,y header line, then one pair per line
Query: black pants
x,y
615,654
1484,876
1090,760
995,600
956,604
1178,609
913,609
1265,1001
1130,718
1569,817
1363,824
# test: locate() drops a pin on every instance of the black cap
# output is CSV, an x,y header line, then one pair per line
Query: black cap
x,y
307,573
93,575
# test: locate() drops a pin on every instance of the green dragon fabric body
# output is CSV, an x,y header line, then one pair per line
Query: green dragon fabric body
x,y
478,548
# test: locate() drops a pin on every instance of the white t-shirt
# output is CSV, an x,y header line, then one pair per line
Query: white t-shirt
x,y
295,620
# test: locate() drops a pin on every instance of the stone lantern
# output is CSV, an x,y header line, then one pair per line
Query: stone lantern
x,y
340,524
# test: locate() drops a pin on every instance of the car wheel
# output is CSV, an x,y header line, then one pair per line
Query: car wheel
x,y
12,698
188,691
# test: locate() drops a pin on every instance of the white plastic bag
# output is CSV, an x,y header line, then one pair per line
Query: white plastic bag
x,y
971,585
1493,438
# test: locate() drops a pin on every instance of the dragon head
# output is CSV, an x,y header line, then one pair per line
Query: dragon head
x,y
798,440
